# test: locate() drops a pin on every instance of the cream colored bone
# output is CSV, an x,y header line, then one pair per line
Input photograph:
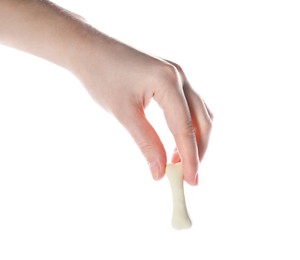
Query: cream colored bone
x,y
180,217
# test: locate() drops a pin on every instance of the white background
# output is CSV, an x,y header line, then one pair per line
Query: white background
x,y
73,185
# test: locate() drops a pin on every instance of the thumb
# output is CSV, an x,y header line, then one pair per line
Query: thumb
x,y
147,140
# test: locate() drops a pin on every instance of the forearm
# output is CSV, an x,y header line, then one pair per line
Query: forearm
x,y
120,78
45,30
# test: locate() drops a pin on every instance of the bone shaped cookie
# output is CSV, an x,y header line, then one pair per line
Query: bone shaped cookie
x,y
180,217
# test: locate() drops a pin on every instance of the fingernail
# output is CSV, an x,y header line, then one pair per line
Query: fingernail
x,y
196,178
155,168
193,181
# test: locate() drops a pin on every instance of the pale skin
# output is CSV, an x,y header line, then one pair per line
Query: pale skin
x,y
119,78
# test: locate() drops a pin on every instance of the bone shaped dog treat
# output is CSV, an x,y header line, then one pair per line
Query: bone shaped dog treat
x,y
180,217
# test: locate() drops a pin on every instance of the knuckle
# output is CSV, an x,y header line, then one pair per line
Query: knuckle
x,y
153,152
207,125
168,83
146,148
211,115
178,67
169,76
186,131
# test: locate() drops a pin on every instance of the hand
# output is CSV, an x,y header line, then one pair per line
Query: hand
x,y
123,81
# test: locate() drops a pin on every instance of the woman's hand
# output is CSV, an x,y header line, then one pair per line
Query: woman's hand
x,y
123,80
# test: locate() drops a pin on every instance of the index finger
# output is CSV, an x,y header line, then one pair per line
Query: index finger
x,y
176,110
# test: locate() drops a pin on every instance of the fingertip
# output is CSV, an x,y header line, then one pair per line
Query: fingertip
x,y
190,167
149,143
157,168
190,173
192,181
175,157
